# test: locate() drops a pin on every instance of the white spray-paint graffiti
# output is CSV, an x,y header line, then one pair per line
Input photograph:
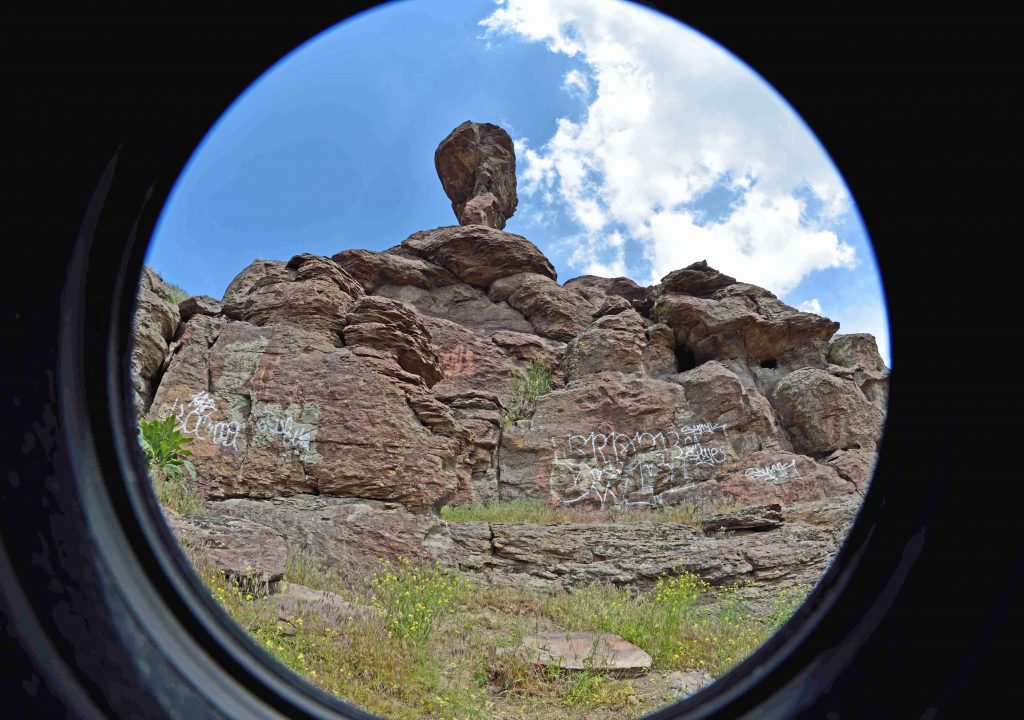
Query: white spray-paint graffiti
x,y
194,419
610,467
295,435
775,473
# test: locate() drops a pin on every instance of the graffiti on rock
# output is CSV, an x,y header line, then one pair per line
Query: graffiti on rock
x,y
293,434
193,419
775,473
623,468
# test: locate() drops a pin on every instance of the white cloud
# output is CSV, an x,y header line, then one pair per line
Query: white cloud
x,y
576,82
671,116
811,306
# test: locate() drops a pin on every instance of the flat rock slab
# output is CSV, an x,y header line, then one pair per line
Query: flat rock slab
x,y
586,651
294,599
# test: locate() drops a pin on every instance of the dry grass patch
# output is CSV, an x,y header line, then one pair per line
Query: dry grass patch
x,y
433,648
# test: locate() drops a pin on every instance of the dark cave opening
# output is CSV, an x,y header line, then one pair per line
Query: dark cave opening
x,y
770,363
685,358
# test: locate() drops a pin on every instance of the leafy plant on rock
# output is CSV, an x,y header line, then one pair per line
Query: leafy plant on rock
x,y
167,462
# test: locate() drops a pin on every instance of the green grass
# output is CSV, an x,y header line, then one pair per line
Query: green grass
x,y
526,388
169,291
432,650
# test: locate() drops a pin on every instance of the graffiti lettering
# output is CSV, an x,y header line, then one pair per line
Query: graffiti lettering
x,y
776,473
623,468
194,419
294,435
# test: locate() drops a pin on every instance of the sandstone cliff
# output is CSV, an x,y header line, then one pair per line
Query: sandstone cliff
x,y
339,402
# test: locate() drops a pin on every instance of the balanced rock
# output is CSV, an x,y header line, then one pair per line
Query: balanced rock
x,y
477,167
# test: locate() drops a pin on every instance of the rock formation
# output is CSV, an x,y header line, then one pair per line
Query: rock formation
x,y
338,403
477,167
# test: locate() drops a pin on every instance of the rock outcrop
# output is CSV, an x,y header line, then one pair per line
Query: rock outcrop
x,y
477,167
338,403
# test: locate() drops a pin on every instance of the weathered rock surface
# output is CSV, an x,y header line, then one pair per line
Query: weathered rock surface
x,y
612,342
859,352
636,554
322,607
698,279
154,325
822,413
240,548
603,652
389,326
477,167
460,303
373,269
346,533
757,518
479,255
553,311
745,322
595,290
269,418
199,305
310,291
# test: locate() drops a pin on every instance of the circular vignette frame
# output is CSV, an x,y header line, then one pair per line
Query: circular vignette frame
x,y
103,615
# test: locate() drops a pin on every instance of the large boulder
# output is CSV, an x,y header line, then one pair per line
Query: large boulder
x,y
477,167
859,352
390,327
308,290
744,322
823,413
698,279
373,269
611,342
553,311
279,410
461,303
477,254
596,290
605,438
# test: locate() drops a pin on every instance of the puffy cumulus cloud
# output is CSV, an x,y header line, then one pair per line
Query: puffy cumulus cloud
x,y
672,121
812,306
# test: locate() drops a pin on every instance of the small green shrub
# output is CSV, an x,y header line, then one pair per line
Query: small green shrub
x,y
167,462
526,388
414,596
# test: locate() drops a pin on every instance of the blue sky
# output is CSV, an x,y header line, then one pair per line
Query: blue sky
x,y
641,147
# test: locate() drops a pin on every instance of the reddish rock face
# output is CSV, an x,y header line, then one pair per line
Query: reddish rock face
x,y
822,413
278,410
374,269
390,327
747,323
479,255
477,167
553,311
309,291
595,289
338,403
